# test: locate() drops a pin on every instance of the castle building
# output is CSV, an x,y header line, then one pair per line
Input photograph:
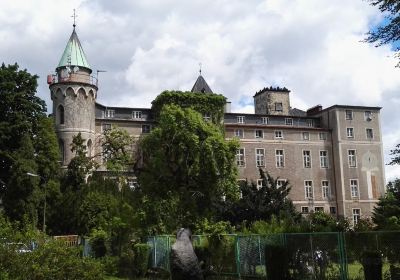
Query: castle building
x,y
332,157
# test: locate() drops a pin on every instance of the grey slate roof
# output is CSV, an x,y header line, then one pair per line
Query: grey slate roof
x,y
201,86
297,112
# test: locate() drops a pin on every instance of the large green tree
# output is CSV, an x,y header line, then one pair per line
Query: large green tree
x,y
389,31
187,163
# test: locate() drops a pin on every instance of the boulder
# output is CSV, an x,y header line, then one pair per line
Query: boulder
x,y
184,262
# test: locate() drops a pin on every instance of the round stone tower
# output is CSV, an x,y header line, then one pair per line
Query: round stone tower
x,y
73,92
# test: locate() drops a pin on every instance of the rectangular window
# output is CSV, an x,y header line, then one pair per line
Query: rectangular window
x,y
136,115
289,121
349,114
332,210
260,157
279,158
207,117
326,191
259,133
356,215
131,183
310,123
105,126
305,136
350,132
264,120
240,157
308,189
280,183
351,155
304,209
322,136
259,184
240,119
323,159
239,133
370,133
109,113
278,134
278,106
319,209
368,116
146,128
307,159
354,188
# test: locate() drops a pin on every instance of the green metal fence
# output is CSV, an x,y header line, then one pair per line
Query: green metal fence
x,y
316,256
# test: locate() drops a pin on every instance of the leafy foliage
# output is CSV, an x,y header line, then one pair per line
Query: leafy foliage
x,y
186,163
386,214
389,32
396,155
258,203
212,104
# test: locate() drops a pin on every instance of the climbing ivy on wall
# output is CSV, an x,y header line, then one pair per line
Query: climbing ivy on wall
x,y
212,104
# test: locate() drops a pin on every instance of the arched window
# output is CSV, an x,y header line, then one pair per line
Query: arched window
x,y
60,114
62,151
89,148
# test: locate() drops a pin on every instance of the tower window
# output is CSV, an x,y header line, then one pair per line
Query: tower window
x,y
60,114
62,151
278,106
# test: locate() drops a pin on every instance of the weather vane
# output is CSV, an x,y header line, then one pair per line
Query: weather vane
x,y
200,68
74,16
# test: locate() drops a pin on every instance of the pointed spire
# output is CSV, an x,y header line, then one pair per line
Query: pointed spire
x,y
73,54
201,86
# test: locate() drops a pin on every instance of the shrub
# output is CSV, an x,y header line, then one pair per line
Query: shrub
x,y
98,240
141,253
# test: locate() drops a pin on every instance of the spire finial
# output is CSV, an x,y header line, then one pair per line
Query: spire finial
x,y
74,16
200,68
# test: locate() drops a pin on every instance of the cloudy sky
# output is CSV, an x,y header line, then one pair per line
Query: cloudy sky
x,y
313,47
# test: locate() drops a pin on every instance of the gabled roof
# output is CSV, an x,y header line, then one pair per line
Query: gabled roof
x,y
201,86
73,54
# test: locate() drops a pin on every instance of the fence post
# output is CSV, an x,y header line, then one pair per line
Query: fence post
x,y
155,252
237,253
259,249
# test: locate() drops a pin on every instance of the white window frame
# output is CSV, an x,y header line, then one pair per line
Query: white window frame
x,y
323,136
307,162
280,132
137,115
356,216
372,133
308,189
304,208
109,113
240,157
323,159
319,209
280,158
348,116
259,184
305,135
239,133
326,189
354,189
352,159
240,119
350,132
310,122
259,130
260,157
289,121
264,120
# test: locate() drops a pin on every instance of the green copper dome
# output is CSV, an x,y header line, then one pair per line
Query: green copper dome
x,y
73,54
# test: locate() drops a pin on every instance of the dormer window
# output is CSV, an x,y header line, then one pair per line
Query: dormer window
x,y
136,115
278,107
109,114
289,121
240,119
310,123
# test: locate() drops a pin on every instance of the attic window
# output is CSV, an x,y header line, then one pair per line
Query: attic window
x,y
203,90
278,106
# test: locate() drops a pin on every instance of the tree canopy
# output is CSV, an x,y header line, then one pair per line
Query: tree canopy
x,y
386,214
188,162
389,31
